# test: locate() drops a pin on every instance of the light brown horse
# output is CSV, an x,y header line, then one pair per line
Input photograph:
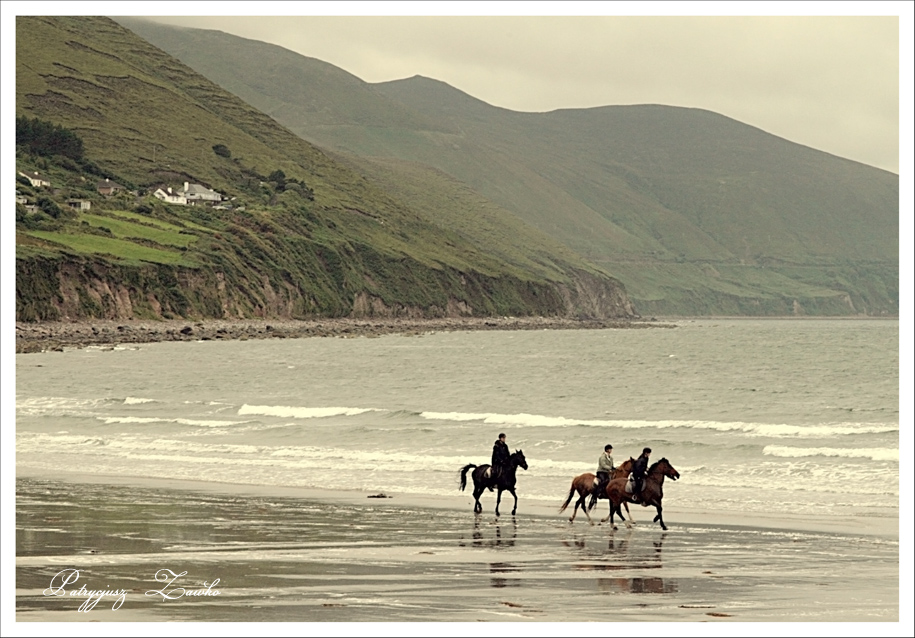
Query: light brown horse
x,y
585,485
652,491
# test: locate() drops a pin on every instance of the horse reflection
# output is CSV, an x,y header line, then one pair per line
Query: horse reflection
x,y
502,568
637,586
501,540
621,554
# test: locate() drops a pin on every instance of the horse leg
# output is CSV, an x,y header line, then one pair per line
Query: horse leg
x,y
613,509
610,515
628,513
581,503
659,518
498,500
587,513
477,506
515,508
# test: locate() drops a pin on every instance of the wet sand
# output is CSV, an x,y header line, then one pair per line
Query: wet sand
x,y
287,554
50,336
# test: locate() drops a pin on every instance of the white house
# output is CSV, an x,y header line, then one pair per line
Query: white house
x,y
170,197
198,193
79,204
36,179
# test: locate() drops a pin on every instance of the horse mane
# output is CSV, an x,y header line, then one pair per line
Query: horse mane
x,y
656,464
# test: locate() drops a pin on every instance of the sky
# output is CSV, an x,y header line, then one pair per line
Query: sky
x,y
829,82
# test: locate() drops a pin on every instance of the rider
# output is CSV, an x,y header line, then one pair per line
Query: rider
x,y
638,473
605,468
500,454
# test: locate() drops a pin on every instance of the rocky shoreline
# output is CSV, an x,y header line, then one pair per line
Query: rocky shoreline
x,y
55,336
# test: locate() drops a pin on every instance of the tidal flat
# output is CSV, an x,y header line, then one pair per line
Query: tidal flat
x,y
279,557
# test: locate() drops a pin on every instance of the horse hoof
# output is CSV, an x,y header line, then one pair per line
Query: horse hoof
x,y
615,528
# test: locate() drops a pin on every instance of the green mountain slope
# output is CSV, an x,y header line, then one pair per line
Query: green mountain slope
x,y
695,212
301,233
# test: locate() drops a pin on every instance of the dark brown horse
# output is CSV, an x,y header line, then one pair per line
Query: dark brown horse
x,y
484,477
586,484
652,491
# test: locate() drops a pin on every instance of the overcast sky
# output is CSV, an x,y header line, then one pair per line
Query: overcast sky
x,y
828,82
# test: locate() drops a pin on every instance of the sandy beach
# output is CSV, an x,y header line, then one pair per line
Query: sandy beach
x,y
289,554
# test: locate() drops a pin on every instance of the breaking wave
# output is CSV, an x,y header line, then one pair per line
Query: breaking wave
x,y
877,454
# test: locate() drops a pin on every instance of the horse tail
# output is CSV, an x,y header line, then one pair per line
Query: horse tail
x,y
569,499
469,466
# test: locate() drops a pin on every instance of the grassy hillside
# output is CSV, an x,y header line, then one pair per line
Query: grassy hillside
x,y
695,212
301,233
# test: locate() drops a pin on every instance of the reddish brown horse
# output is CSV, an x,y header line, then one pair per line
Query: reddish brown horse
x,y
652,491
585,485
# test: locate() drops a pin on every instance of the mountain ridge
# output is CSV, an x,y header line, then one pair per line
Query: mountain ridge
x,y
697,213
300,233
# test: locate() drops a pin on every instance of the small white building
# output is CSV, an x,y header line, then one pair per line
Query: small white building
x,y
198,193
79,204
170,197
36,179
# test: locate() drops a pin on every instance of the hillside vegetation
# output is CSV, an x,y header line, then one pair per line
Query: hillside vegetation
x,y
300,233
695,212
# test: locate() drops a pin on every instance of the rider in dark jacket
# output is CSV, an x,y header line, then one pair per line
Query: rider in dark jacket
x,y
500,454
638,473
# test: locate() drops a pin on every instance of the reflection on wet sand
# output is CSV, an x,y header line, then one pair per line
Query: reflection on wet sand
x,y
637,586
501,568
321,562
511,534
621,555
502,534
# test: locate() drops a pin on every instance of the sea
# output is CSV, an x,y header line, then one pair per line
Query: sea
x,y
764,417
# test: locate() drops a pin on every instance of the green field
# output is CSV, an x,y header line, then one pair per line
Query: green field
x,y
119,248
157,231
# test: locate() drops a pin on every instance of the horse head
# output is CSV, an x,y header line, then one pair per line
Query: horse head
x,y
518,459
668,469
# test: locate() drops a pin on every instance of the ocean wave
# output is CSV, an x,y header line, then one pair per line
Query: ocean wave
x,y
299,412
749,429
137,400
58,406
109,420
877,454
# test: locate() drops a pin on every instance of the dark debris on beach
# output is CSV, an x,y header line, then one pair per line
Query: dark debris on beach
x,y
55,336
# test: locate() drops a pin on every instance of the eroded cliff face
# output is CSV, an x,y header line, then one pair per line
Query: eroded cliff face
x,y
593,297
69,289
